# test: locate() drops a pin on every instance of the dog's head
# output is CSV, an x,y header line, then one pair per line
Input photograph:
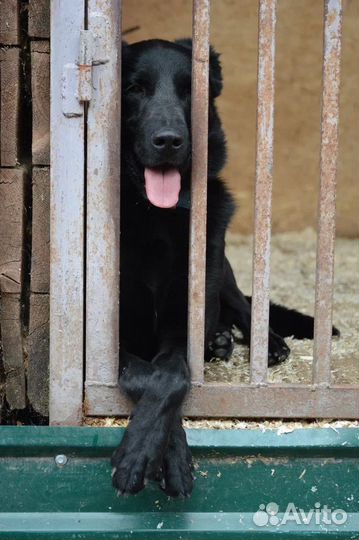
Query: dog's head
x,y
156,113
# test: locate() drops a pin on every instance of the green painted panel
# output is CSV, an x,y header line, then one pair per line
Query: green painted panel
x,y
26,440
226,484
165,526
236,472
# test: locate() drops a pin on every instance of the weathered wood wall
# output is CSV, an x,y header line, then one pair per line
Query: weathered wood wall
x,y
38,327
12,188
24,205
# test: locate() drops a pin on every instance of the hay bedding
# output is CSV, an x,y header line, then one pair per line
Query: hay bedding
x,y
292,284
293,276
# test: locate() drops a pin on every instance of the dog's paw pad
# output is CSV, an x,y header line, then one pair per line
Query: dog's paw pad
x,y
278,350
221,346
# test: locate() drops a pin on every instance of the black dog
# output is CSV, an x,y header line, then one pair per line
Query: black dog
x,y
156,172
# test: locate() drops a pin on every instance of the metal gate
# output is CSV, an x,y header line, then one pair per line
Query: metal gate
x,y
85,142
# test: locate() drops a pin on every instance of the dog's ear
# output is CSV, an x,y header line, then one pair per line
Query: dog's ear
x,y
126,53
124,45
215,69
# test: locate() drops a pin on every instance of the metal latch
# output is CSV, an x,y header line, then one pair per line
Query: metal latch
x,y
77,77
85,66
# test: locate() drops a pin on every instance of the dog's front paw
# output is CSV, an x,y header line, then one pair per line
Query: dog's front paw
x,y
177,467
128,470
132,462
278,350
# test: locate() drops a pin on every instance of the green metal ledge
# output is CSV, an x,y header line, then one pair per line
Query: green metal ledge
x,y
238,473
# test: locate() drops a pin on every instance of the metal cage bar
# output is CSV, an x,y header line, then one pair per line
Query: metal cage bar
x,y
263,192
67,215
103,195
328,170
197,252
257,399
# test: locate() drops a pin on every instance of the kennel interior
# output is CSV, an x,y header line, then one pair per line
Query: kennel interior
x,y
307,386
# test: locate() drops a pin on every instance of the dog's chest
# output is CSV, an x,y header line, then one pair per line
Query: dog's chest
x,y
154,246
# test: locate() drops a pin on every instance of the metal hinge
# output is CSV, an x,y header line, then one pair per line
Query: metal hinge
x,y
77,83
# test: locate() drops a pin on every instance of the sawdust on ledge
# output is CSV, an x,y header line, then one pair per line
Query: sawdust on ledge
x,y
281,426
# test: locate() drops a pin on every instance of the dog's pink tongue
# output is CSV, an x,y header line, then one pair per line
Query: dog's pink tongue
x,y
163,187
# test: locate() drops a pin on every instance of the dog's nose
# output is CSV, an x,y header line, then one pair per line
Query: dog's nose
x,y
167,140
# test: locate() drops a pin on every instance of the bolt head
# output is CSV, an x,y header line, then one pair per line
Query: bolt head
x,y
61,460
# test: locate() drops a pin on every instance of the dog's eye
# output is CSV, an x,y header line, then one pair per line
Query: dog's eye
x,y
135,89
184,88
187,90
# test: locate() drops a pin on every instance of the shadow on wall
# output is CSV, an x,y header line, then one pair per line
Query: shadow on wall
x,y
298,96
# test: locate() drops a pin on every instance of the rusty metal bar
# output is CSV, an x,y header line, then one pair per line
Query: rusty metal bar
x,y
245,401
328,170
197,251
103,194
263,191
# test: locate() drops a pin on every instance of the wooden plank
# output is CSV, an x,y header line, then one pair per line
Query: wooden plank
x,y
11,256
103,199
40,252
9,22
37,340
13,357
37,344
11,229
9,106
40,87
67,216
39,18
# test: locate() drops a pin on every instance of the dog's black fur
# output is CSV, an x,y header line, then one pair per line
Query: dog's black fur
x,y
156,133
